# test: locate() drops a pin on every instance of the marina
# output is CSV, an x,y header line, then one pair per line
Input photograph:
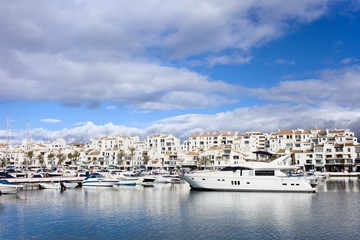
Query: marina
x,y
174,211
180,120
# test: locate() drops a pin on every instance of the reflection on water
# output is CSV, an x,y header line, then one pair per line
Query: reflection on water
x,y
340,185
173,211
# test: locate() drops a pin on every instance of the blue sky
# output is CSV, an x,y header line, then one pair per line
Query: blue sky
x,y
80,69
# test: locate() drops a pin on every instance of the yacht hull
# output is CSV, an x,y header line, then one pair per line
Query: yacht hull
x,y
9,188
230,182
99,183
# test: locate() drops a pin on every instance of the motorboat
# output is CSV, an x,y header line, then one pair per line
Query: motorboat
x,y
57,173
16,173
128,181
8,187
98,180
163,179
249,176
50,185
148,181
69,173
57,185
121,174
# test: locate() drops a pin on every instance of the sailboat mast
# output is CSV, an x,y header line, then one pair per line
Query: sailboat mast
x,y
7,140
27,145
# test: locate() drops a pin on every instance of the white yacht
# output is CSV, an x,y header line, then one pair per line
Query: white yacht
x,y
249,176
98,180
8,187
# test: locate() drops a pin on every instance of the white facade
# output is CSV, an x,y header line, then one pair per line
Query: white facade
x,y
311,149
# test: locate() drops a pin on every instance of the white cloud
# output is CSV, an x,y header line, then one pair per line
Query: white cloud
x,y
50,120
283,61
175,29
142,85
225,60
266,118
349,60
82,52
339,86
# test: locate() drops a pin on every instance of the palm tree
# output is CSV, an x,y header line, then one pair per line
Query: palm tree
x,y
94,160
30,155
204,160
61,157
76,155
40,158
51,156
132,150
121,156
70,157
146,159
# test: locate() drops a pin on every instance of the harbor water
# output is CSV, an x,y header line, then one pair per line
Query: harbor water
x,y
173,211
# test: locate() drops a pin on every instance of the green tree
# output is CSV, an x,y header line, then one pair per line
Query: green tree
x,y
76,155
60,157
30,155
94,160
40,158
51,156
132,153
70,156
146,159
204,160
120,157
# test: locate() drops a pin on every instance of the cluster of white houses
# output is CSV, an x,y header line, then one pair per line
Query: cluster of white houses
x,y
322,150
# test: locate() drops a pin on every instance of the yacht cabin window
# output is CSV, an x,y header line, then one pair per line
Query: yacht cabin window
x,y
264,173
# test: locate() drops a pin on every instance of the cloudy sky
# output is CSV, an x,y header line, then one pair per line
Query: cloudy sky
x,y
78,69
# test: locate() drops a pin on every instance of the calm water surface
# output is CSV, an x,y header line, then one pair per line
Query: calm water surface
x,y
175,212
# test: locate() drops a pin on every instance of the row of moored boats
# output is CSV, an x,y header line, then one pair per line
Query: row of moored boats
x,y
275,176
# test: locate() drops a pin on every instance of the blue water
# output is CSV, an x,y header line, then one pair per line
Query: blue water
x,y
175,212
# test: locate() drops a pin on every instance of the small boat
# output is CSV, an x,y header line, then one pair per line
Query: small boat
x,y
148,181
16,173
50,185
98,180
57,185
71,185
129,181
163,179
8,187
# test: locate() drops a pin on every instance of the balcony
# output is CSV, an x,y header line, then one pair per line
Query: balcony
x,y
339,161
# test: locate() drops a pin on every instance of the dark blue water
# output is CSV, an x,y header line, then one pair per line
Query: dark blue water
x,y
175,212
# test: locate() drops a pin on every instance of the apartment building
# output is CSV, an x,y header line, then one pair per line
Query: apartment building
x,y
311,149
